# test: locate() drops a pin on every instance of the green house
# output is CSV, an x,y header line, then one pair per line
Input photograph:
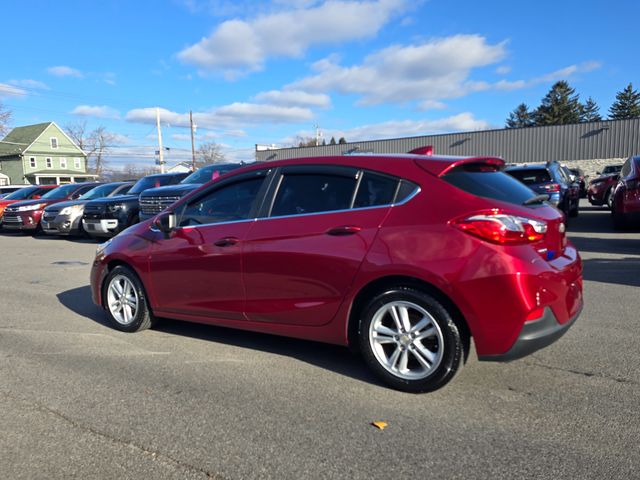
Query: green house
x,y
41,154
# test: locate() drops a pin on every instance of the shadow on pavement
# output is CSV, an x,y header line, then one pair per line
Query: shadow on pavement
x,y
330,357
621,246
620,271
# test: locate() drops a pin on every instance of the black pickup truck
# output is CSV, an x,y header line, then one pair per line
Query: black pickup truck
x,y
106,217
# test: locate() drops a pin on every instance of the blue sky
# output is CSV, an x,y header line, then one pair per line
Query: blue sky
x,y
266,72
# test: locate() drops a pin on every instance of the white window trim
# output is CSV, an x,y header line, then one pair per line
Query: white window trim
x,y
33,162
63,162
48,162
77,164
51,139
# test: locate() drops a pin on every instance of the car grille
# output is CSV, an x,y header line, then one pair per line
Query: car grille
x,y
15,219
153,205
94,210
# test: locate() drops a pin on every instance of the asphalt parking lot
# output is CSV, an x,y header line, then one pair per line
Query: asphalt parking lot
x,y
80,400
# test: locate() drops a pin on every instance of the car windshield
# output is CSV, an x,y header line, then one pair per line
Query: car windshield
x,y
61,192
488,184
530,176
99,192
207,173
612,169
21,194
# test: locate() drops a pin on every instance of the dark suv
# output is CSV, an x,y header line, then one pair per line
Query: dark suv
x,y
154,200
406,258
549,179
107,217
625,206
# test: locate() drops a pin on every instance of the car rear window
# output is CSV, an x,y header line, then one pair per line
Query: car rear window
x,y
495,185
531,176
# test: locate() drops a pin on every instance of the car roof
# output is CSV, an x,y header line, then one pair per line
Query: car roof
x,y
437,165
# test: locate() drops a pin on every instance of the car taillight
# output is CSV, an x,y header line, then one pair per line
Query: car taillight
x,y
552,187
502,228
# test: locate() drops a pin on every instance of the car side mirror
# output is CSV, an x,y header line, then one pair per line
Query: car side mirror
x,y
165,222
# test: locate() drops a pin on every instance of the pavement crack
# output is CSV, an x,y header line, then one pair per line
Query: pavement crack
x,y
155,455
584,374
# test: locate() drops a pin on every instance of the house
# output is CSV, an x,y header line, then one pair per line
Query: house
x,y
42,154
182,167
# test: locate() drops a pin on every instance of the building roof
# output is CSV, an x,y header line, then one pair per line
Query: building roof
x,y
56,173
20,138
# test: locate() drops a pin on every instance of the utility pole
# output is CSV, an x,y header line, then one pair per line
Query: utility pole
x,y
160,150
193,145
318,135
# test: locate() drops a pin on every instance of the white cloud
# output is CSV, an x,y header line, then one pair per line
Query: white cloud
x,y
296,98
561,74
503,70
463,122
64,71
33,84
96,111
7,90
225,117
237,47
428,72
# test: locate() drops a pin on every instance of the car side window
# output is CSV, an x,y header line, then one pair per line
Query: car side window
x,y
300,194
626,168
229,203
375,189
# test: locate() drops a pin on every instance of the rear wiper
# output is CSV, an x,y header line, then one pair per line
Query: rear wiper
x,y
537,199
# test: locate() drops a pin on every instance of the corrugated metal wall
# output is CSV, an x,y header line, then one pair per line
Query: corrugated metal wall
x,y
607,139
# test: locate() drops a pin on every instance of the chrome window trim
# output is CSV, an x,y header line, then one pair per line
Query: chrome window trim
x,y
415,192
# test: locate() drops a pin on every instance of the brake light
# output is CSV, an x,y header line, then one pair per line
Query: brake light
x,y
552,187
501,228
535,314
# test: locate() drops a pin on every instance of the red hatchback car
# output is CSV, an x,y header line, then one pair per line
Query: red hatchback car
x,y
625,207
407,257
25,216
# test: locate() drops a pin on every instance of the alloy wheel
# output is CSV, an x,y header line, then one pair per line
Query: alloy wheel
x,y
122,299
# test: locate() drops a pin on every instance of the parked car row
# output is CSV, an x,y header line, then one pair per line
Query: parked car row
x,y
97,209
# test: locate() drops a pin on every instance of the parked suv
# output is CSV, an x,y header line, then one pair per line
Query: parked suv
x,y
154,200
107,217
625,206
65,218
26,215
550,179
405,257
27,193
600,190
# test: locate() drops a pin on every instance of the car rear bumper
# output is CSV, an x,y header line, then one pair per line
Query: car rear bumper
x,y
534,336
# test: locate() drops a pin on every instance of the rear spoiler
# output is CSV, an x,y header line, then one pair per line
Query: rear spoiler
x,y
477,163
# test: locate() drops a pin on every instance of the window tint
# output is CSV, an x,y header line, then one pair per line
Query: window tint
x,y
299,194
496,185
406,189
375,189
531,176
229,203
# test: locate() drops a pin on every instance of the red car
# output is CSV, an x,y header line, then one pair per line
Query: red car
x,y
625,208
406,257
600,191
26,193
25,215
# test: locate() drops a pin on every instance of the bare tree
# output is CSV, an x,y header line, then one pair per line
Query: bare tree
x,y
5,119
207,153
95,144
304,141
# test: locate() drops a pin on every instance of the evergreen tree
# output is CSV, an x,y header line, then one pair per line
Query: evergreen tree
x,y
520,117
627,104
332,141
590,111
559,106
342,140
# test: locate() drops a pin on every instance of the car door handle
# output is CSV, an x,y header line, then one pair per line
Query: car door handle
x,y
344,230
226,242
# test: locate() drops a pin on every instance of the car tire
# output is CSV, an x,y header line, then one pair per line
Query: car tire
x,y
619,221
410,340
608,198
125,301
575,210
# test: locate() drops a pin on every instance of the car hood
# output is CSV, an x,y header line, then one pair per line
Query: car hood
x,y
180,189
602,178
24,203
70,203
116,199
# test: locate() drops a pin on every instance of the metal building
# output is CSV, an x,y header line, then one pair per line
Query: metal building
x,y
611,139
